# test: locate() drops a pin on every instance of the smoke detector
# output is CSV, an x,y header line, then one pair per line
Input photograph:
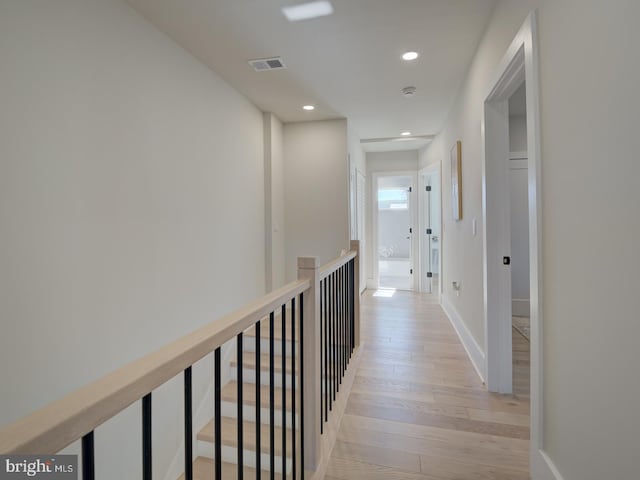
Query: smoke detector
x,y
264,64
409,92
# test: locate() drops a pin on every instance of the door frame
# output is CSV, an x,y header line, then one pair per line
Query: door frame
x,y
361,216
520,63
374,221
430,169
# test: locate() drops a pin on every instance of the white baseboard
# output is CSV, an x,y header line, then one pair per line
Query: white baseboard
x,y
520,307
542,468
475,353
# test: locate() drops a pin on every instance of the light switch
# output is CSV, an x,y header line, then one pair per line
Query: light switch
x,y
474,227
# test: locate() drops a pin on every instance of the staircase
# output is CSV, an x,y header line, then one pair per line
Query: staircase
x,y
203,466
259,413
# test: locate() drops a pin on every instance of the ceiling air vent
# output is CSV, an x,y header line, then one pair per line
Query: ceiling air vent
x,y
264,64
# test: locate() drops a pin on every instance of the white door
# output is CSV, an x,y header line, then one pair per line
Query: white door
x,y
394,231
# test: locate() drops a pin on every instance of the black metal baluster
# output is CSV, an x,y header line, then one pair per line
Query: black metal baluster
x,y
88,457
240,405
331,371
335,336
272,435
217,415
326,354
345,323
188,425
352,296
284,390
329,343
322,307
146,437
258,390
332,386
301,334
341,320
346,316
293,386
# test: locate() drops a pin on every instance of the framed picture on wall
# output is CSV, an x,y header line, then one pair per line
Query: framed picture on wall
x,y
456,180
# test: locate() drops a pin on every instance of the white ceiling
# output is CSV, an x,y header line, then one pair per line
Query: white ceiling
x,y
347,64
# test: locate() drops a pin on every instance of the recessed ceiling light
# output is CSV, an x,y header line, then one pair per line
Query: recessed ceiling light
x,y
306,11
309,107
410,55
405,134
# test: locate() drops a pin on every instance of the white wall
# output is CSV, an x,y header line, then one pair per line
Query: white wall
x,y
131,209
316,191
382,162
358,164
589,103
274,202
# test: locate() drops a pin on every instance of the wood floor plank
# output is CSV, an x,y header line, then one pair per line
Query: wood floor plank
x,y
446,468
388,457
418,410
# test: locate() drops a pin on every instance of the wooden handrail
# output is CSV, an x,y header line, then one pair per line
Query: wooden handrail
x,y
59,424
333,265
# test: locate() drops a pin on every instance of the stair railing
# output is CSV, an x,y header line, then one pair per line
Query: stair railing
x,y
323,305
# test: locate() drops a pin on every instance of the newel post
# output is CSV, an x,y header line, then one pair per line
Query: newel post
x,y
355,245
309,268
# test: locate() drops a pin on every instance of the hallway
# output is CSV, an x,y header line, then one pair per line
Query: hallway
x,y
418,410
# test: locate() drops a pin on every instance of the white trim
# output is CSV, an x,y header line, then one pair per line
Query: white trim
x,y
542,468
469,343
372,284
362,216
521,63
375,282
520,307
518,164
518,155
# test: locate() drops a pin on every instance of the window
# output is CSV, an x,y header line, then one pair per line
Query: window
x,y
393,199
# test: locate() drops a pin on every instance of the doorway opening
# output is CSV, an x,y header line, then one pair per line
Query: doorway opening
x,y
519,233
394,218
518,66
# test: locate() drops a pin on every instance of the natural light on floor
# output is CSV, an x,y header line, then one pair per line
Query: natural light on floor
x,y
385,292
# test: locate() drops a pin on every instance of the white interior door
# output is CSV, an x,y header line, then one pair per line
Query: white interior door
x,y
430,231
394,231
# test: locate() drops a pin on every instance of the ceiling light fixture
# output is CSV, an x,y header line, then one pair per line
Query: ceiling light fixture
x,y
309,107
409,92
410,56
405,134
307,11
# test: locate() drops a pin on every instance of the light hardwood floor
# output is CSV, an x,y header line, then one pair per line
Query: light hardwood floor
x,y
418,411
